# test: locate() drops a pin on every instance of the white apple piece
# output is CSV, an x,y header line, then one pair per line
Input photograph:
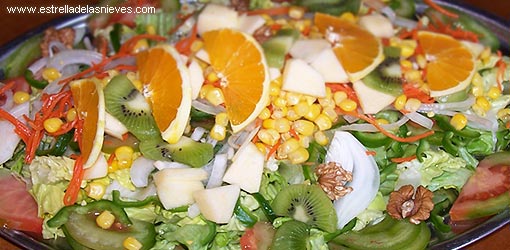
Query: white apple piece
x,y
249,24
308,49
215,16
196,78
349,152
301,78
274,73
217,204
202,55
246,168
175,186
330,68
371,100
377,24
114,127
98,170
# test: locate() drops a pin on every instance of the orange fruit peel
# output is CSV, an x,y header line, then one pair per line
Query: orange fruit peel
x,y
238,60
90,106
167,88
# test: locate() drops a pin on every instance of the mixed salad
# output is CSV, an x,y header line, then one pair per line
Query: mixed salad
x,y
372,159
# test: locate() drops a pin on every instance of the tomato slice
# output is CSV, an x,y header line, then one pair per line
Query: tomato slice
x,y
18,209
259,237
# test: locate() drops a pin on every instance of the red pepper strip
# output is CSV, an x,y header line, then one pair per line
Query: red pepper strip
x,y
276,11
403,159
73,189
440,9
21,129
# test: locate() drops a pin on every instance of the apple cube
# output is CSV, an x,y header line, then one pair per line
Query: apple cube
x,y
217,204
330,68
371,100
302,78
246,168
308,49
215,16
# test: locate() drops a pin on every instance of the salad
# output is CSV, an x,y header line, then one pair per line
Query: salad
x,y
347,124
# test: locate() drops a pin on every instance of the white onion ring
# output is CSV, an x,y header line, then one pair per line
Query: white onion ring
x,y
366,127
453,106
207,108
420,119
38,65
77,56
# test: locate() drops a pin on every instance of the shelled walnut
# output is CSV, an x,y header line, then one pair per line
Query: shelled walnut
x,y
332,179
405,203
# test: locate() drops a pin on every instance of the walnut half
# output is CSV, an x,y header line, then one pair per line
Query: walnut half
x,y
332,179
405,203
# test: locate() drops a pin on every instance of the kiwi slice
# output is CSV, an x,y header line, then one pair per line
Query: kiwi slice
x,y
186,151
128,105
308,204
386,78
291,235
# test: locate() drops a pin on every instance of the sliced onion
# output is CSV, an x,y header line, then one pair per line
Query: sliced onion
x,y
77,56
207,108
9,101
10,139
140,171
169,164
453,106
138,194
218,170
365,127
38,65
59,46
420,119
238,140
197,133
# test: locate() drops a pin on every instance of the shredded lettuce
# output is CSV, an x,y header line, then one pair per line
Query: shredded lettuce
x,y
260,4
271,184
123,176
316,240
373,213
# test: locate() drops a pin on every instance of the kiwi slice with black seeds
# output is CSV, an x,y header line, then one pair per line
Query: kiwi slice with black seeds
x,y
124,102
291,235
308,204
386,78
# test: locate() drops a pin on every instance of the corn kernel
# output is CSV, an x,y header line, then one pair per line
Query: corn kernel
x,y
218,132
321,138
298,156
196,46
280,102
330,113
289,146
406,51
382,121
282,125
483,103
348,105
279,112
105,219
292,98
215,96
323,122
412,75
212,77
140,45
304,141
412,104
494,92
21,97
113,167
265,114
268,123
261,147
477,90
315,110
421,61
292,115
400,102
504,114
268,136
327,102
150,29
406,64
221,119
130,243
95,190
348,16
339,96
478,110
52,125
296,12
274,90
303,127
309,99
302,108
458,121
124,155
206,88
477,80
50,74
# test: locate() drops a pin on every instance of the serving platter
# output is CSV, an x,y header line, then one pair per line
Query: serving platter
x,y
496,24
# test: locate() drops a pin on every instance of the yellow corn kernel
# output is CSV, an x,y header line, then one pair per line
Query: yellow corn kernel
x,y
274,89
309,99
315,110
71,114
412,104
459,121
292,115
265,114
303,127
212,77
140,45
52,125
412,75
477,80
197,45
348,16
215,96
323,122
105,219
95,190
124,156
21,97
382,121
221,119
296,12
321,138
113,166
268,123
298,156
289,146
130,243
205,89
504,114
261,147
302,108
406,64
478,110
282,125
50,74
348,105
280,102
218,132
327,102
406,51
150,29
339,96
292,98
400,102
483,103
268,136
421,61
330,113
494,92
477,90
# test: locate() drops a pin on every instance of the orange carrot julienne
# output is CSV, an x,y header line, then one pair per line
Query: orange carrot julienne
x,y
412,92
294,134
7,86
440,9
73,189
403,159
276,11
501,71
21,129
184,45
110,159
370,153
273,149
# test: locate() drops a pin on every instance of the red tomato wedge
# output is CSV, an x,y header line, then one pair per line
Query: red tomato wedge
x,y
487,190
18,209
259,237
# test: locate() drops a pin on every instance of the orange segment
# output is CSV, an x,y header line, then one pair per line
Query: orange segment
x,y
358,50
450,65
89,103
167,88
239,62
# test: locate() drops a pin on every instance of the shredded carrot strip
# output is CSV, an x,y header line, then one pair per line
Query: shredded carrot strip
x,y
371,153
20,128
276,11
345,88
413,92
184,45
273,149
387,133
440,9
110,159
403,159
501,71
73,189
7,86
294,134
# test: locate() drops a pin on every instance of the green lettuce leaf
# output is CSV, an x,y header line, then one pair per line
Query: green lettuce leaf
x,y
49,197
316,240
51,169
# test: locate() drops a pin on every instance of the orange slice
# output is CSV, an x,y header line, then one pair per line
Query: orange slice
x,y
90,106
167,88
450,66
357,49
239,62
